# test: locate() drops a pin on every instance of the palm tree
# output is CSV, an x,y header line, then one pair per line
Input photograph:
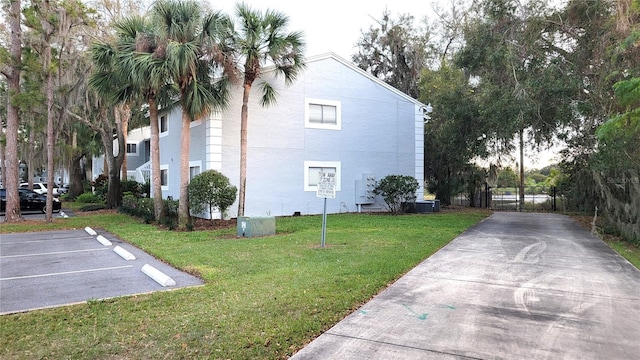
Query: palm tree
x,y
194,47
141,54
261,41
110,81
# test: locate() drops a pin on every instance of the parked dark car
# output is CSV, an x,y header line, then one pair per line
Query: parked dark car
x,y
29,201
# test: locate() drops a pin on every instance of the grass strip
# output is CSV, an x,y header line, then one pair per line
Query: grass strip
x,y
263,298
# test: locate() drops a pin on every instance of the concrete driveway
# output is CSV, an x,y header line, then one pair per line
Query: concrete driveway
x,y
54,268
515,286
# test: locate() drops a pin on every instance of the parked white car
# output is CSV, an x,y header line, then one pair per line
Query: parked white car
x,y
40,188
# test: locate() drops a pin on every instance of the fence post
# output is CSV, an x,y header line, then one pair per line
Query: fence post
x,y
554,198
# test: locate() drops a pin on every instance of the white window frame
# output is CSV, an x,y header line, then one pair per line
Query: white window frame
x,y
314,164
166,132
136,153
313,125
195,123
164,167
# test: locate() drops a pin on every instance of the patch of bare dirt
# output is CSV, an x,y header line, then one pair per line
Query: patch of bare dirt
x,y
215,224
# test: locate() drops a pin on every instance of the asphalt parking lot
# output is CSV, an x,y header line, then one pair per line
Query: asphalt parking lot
x,y
48,269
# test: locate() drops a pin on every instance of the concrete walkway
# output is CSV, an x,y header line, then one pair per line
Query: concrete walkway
x,y
515,286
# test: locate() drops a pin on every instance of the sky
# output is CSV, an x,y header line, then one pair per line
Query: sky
x,y
336,25
332,25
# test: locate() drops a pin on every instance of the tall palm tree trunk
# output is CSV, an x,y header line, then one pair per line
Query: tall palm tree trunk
x,y
158,206
243,148
184,218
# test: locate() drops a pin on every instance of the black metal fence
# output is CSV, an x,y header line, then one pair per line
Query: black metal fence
x,y
536,198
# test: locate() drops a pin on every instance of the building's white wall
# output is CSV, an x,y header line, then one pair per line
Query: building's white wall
x,y
381,134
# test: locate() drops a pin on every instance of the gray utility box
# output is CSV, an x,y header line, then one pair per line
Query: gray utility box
x,y
254,226
364,190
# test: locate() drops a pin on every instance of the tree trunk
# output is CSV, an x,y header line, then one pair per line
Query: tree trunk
x,y
75,176
184,218
12,213
243,149
3,170
521,169
114,162
50,135
158,205
31,156
125,133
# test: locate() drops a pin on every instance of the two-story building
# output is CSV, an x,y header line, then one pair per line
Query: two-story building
x,y
334,118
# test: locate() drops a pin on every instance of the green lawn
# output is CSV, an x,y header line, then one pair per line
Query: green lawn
x,y
263,298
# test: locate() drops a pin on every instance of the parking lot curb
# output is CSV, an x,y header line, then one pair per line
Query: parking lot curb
x,y
103,240
90,231
157,275
124,253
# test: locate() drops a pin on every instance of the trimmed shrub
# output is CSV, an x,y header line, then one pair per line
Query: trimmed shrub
x,y
398,192
88,198
139,207
211,190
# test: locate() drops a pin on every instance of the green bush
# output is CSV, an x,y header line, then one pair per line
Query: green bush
x,y
132,187
398,192
211,190
88,198
140,207
101,185
170,218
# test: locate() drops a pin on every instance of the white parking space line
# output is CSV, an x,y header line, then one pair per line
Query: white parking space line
x,y
66,273
52,253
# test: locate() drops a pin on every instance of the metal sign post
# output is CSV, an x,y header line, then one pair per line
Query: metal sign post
x,y
326,189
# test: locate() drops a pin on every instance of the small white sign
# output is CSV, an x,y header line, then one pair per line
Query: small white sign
x,y
326,185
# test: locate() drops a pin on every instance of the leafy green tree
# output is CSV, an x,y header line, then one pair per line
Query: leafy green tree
x,y
507,178
59,23
194,42
398,192
210,190
524,82
454,132
261,40
616,163
395,51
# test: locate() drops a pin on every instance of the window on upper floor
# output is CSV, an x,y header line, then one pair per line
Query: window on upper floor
x,y
313,168
323,114
132,149
164,126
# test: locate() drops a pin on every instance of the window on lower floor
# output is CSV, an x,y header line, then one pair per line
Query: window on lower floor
x,y
313,168
164,177
193,171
